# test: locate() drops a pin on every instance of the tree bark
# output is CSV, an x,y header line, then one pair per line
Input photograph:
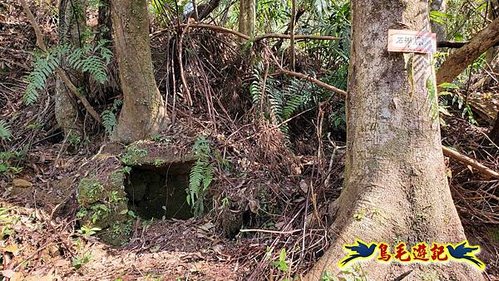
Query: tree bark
x,y
72,22
143,112
247,15
439,29
395,188
461,58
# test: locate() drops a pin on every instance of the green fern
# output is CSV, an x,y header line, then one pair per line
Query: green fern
x,y
87,59
298,97
256,87
108,121
108,116
282,100
44,66
200,177
5,132
92,60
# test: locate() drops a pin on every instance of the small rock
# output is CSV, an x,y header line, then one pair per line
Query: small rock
x,y
22,183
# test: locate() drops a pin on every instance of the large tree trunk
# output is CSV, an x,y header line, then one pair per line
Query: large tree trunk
x,y
395,188
71,26
143,111
247,15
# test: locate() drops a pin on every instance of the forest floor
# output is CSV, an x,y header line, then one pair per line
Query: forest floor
x,y
41,239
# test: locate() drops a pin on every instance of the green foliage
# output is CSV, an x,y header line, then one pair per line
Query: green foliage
x,y
337,118
200,177
90,190
88,231
43,67
5,132
87,59
330,18
7,159
463,18
166,10
91,59
133,155
282,263
109,120
80,260
453,98
272,16
7,220
280,101
439,17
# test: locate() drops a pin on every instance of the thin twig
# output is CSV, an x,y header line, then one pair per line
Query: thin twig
x,y
271,231
313,80
246,37
181,66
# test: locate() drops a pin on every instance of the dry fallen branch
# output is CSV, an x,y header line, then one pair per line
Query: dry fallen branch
x,y
246,37
315,81
296,37
471,162
41,44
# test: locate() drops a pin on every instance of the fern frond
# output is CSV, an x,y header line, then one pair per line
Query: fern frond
x,y
200,176
255,92
5,132
44,67
108,121
297,98
96,68
85,59
94,61
276,101
105,52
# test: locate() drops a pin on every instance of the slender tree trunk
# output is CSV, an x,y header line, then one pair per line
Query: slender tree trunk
x,y
247,15
71,26
395,188
439,29
493,61
109,88
492,53
105,29
143,112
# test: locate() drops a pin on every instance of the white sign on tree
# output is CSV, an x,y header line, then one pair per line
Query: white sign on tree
x,y
410,41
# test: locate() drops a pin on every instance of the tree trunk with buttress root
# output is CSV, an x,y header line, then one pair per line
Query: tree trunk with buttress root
x,y
143,112
395,188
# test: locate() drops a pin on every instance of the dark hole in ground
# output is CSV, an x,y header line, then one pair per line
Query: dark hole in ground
x,y
159,192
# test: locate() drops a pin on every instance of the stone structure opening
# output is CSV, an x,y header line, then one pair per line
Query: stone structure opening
x,y
159,192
